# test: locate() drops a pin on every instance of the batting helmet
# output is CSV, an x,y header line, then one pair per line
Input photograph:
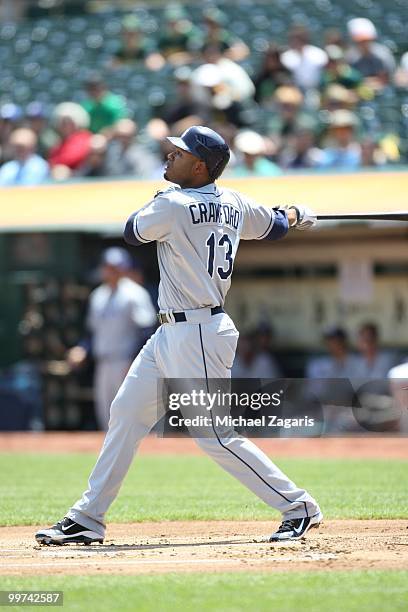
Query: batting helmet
x,y
207,145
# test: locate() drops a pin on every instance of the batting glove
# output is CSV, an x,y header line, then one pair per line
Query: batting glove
x,y
306,218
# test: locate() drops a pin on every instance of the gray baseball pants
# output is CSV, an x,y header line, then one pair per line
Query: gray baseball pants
x,y
203,347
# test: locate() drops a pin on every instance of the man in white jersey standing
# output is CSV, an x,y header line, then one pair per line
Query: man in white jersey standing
x,y
197,227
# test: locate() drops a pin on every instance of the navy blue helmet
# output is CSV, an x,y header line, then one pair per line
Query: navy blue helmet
x,y
207,145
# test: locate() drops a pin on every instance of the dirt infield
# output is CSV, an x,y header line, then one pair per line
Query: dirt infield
x,y
91,442
151,548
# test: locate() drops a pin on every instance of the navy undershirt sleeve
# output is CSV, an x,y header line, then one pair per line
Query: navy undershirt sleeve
x,y
129,232
280,226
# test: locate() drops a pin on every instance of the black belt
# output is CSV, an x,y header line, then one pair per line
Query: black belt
x,y
180,317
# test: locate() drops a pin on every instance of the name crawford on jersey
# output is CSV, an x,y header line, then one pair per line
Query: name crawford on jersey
x,y
215,212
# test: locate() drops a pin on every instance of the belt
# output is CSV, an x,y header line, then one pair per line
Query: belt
x,y
180,317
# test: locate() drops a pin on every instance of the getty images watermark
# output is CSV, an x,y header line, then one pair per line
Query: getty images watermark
x,y
213,402
280,407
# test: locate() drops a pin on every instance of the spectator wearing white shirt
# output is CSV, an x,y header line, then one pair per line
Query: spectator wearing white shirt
x,y
305,61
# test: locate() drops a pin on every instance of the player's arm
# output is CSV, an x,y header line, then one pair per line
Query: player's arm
x,y
150,223
261,222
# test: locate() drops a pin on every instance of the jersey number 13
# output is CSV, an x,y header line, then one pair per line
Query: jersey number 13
x,y
224,243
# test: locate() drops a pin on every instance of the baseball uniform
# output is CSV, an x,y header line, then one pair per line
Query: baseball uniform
x,y
197,232
115,320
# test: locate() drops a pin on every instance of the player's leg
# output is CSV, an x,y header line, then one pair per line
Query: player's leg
x,y
208,351
133,413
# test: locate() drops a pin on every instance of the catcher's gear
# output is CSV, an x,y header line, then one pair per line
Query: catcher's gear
x,y
207,145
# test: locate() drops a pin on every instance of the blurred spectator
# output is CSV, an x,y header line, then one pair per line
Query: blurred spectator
x,y
272,74
95,162
300,150
213,97
216,34
250,362
288,115
26,167
236,83
338,97
125,156
339,363
263,336
184,104
37,120
371,153
119,312
10,117
304,60
252,148
71,122
338,71
334,36
373,60
401,75
180,40
372,363
103,107
135,45
341,149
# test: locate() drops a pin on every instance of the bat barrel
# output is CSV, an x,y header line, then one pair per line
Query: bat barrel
x,y
399,216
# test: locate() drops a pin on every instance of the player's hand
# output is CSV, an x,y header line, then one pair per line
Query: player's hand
x,y
306,218
76,357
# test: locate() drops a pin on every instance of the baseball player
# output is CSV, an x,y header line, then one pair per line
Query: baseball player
x,y
119,311
197,227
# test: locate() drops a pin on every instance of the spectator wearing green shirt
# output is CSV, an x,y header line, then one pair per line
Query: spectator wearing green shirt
x,y
181,40
104,107
338,71
134,46
216,34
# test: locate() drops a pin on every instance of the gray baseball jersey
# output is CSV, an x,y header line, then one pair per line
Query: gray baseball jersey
x,y
115,319
198,233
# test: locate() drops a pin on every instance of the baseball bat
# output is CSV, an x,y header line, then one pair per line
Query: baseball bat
x,y
395,216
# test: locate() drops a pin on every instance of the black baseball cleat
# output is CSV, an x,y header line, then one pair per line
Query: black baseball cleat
x,y
67,531
294,529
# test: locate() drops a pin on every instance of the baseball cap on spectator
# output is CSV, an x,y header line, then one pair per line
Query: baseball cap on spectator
x,y
116,257
250,142
361,29
36,110
214,15
289,95
10,112
335,331
342,118
337,94
73,111
334,53
174,13
131,23
207,75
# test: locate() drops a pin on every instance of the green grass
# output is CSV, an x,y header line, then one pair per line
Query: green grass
x,y
382,591
39,488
